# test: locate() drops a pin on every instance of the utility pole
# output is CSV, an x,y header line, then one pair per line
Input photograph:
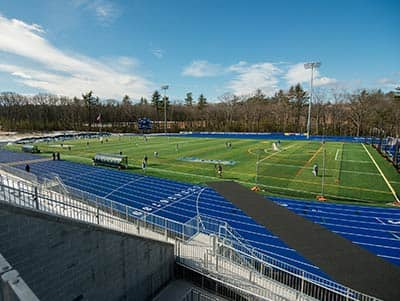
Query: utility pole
x,y
165,88
312,66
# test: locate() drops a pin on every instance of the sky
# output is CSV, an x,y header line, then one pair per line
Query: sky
x,y
214,47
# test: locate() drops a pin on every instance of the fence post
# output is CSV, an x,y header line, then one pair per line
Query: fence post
x,y
36,199
302,283
19,190
214,244
165,230
178,249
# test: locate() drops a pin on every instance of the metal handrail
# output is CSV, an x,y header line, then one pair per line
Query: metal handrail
x,y
104,209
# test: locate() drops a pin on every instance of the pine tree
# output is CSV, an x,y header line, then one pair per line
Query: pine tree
x,y
189,99
156,102
201,102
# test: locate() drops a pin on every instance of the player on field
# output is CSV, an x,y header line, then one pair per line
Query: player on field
x,y
219,170
315,170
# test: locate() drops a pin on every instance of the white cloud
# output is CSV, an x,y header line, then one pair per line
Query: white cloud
x,y
158,53
266,76
324,81
263,76
20,74
104,10
387,81
298,74
61,73
127,61
202,68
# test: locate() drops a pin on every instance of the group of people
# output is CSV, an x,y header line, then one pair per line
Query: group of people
x,y
101,141
56,155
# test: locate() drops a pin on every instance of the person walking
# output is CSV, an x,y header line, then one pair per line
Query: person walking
x,y
220,170
27,168
315,170
144,166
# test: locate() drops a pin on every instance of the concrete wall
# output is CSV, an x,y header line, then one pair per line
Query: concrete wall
x,y
12,286
61,259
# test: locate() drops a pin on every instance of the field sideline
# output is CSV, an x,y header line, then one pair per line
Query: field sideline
x,y
350,173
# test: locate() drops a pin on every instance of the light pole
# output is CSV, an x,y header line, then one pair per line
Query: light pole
x,y
312,66
165,88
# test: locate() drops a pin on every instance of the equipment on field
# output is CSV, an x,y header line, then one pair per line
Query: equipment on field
x,y
29,148
112,160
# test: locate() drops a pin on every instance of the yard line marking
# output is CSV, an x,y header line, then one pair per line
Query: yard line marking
x,y
337,153
267,157
381,172
271,177
119,187
357,161
309,160
328,169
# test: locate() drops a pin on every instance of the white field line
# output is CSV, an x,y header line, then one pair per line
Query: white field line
x,y
381,172
379,220
356,161
328,169
337,153
394,234
119,187
267,157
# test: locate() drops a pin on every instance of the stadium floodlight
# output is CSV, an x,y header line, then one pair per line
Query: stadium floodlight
x,y
165,88
312,66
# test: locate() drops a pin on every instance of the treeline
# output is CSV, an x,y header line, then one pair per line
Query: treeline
x,y
333,113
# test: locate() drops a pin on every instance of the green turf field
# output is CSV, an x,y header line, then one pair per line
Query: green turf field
x,y
350,173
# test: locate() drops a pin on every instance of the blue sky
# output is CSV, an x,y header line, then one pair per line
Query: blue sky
x,y
213,47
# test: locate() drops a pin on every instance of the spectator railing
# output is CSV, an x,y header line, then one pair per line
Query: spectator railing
x,y
225,252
